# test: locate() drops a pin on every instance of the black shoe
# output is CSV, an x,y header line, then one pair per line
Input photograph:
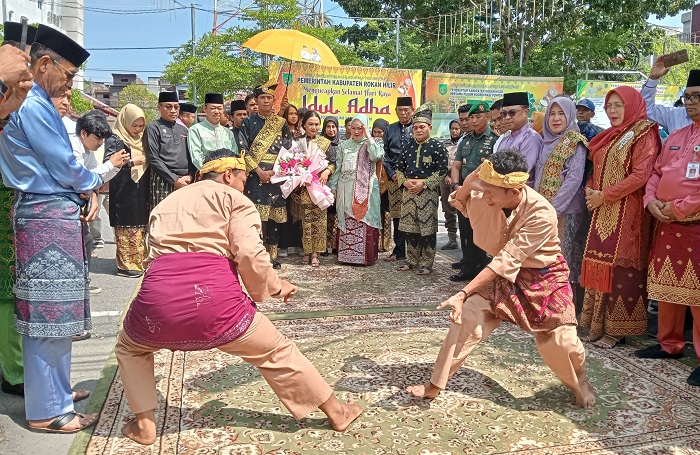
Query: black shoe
x,y
656,352
694,378
458,265
129,273
688,335
17,389
276,265
461,276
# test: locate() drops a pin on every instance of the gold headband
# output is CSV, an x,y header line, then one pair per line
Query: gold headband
x,y
219,166
513,180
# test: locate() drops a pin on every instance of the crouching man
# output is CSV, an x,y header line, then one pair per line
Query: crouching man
x,y
200,239
525,284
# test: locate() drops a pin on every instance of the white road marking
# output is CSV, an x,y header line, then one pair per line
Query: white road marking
x,y
96,314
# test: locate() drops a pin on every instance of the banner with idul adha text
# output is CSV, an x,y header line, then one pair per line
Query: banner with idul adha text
x,y
346,91
449,91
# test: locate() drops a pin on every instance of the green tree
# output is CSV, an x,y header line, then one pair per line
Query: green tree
x,y
79,104
221,65
139,95
556,36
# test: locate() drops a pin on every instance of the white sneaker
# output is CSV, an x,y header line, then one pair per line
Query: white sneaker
x,y
282,253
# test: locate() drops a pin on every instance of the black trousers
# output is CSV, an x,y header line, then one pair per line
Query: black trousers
x,y
399,241
473,257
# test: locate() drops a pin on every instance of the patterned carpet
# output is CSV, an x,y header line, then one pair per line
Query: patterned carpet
x,y
504,400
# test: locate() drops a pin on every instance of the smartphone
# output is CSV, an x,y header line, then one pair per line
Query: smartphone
x,y
675,58
25,26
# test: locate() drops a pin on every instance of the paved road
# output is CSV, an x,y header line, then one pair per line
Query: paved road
x,y
89,357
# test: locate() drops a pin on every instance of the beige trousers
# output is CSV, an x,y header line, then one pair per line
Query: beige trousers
x,y
560,348
291,376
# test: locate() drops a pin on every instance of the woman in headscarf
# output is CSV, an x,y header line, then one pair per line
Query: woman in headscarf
x,y
128,192
357,195
313,217
330,132
614,269
559,175
385,234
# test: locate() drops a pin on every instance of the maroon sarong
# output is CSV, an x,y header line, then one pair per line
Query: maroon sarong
x,y
674,269
189,302
539,300
359,244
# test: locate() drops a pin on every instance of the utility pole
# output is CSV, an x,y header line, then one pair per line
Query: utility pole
x,y
216,7
194,86
490,22
398,43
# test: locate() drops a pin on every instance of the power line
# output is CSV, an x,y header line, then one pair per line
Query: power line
x,y
131,48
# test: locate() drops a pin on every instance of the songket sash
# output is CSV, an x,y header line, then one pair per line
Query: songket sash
x,y
361,188
189,302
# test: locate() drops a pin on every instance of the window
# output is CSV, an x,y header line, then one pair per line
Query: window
x,y
105,96
39,3
124,79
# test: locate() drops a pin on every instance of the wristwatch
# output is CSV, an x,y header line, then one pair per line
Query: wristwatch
x,y
455,185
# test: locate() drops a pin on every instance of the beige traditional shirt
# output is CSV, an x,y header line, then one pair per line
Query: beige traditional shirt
x,y
526,239
210,217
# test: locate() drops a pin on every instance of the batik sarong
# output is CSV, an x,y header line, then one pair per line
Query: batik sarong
x,y
674,269
419,213
539,300
189,302
7,251
131,247
51,272
160,189
359,244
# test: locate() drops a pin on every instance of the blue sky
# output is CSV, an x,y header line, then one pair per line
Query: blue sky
x,y
125,24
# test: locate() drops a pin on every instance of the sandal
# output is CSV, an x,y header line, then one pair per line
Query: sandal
x,y
315,261
424,271
56,426
80,395
306,259
405,268
608,342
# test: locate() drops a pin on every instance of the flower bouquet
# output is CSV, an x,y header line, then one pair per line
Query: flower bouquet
x,y
294,168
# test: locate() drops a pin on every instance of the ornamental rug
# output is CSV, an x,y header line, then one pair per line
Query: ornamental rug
x,y
503,400
341,287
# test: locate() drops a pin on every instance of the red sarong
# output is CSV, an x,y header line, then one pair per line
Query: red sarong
x,y
189,302
359,244
674,269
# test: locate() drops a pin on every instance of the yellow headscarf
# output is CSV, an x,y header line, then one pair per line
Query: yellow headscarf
x,y
127,116
513,180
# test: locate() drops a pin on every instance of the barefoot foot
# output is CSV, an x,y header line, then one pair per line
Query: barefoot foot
x,y
427,391
585,398
351,412
142,429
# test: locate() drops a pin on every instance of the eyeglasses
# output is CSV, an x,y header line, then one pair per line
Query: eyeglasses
x,y
511,113
170,107
70,74
616,106
690,99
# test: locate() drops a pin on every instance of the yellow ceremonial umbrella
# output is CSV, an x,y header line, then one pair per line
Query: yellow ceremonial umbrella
x,y
292,45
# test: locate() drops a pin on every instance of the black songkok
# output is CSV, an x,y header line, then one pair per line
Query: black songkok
x,y
693,79
13,32
213,98
515,99
237,105
168,97
61,44
404,101
187,107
